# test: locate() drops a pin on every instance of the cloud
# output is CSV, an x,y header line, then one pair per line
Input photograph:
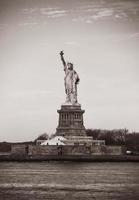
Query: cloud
x,y
29,10
55,12
88,21
56,15
128,37
103,13
114,10
95,14
28,24
48,9
52,12
120,15
32,15
134,35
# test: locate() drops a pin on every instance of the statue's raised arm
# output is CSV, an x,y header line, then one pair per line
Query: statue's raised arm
x,y
62,58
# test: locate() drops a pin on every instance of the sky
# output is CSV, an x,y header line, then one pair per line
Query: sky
x,y
100,37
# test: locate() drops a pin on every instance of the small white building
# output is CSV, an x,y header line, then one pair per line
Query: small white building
x,y
57,140
73,140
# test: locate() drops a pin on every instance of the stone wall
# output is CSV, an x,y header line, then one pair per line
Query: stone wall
x,y
43,150
81,150
74,150
36,150
19,149
113,150
93,150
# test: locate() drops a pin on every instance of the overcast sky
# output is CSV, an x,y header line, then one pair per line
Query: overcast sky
x,y
101,38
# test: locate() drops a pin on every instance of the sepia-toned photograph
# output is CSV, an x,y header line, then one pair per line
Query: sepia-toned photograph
x,y
69,99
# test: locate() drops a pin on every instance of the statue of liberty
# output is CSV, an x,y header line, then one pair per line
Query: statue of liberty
x,y
71,80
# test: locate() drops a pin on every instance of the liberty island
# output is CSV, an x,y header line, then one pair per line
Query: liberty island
x,y
70,141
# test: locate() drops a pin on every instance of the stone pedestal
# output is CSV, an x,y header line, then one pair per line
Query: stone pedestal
x,y
71,121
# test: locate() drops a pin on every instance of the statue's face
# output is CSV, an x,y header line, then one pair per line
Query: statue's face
x,y
70,66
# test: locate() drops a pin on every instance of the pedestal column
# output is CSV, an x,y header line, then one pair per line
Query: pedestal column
x,y
71,121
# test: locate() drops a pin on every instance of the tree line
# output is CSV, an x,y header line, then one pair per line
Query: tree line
x,y
116,137
112,137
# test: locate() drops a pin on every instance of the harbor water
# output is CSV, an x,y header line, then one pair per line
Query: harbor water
x,y
69,180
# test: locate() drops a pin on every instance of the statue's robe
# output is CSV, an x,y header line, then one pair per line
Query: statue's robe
x,y
71,81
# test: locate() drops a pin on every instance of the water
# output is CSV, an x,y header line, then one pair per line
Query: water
x,y
69,180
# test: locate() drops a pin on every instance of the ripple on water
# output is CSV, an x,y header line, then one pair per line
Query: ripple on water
x,y
57,180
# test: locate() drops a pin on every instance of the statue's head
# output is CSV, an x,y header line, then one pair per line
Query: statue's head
x,y
70,65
